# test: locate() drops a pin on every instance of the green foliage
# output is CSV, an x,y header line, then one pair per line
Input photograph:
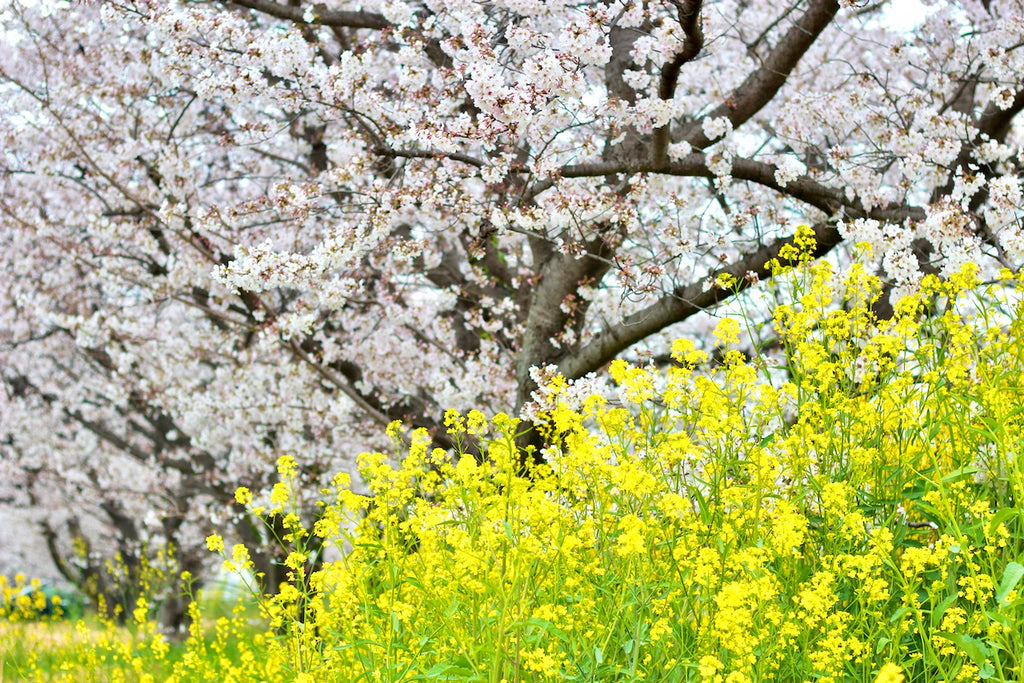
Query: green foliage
x,y
94,647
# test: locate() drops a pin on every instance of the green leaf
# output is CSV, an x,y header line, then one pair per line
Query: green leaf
x,y
1010,606
544,627
446,671
1011,577
976,649
961,473
941,608
999,618
898,614
1002,515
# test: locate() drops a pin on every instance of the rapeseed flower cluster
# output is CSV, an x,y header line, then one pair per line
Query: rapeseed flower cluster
x,y
39,641
847,511
24,598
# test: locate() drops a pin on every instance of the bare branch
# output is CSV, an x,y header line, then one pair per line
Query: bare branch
x,y
109,436
428,154
560,276
684,302
805,189
340,382
994,123
339,18
761,86
693,42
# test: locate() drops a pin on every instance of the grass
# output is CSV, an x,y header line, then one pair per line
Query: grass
x,y
91,648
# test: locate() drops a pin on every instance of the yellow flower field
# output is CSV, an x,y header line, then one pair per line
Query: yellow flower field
x,y
849,513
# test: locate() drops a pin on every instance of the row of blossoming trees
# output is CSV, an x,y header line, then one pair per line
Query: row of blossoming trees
x,y
232,230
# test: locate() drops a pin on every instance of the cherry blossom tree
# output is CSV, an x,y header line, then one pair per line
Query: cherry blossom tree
x,y
232,230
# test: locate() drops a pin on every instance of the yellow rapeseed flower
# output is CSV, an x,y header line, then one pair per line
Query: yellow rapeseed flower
x,y
215,543
890,673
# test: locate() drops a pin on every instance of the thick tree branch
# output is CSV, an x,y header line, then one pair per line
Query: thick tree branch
x,y
560,277
336,380
994,123
345,379
428,154
685,301
693,42
109,436
761,86
323,17
804,189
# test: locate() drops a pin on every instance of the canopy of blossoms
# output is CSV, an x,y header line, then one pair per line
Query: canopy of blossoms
x,y
232,230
